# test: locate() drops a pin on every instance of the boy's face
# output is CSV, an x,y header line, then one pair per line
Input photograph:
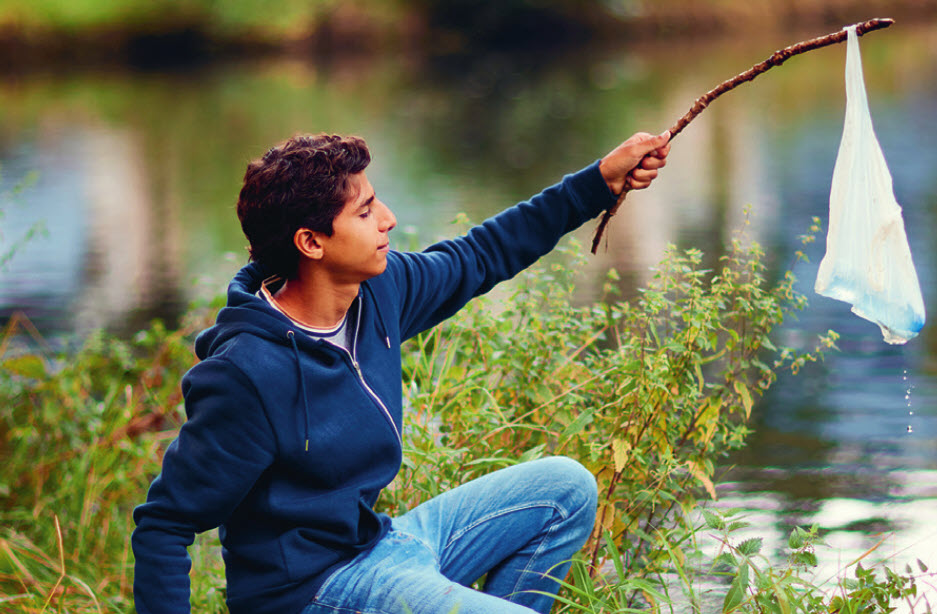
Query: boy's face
x,y
357,249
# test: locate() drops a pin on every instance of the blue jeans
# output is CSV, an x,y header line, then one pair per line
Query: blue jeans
x,y
520,526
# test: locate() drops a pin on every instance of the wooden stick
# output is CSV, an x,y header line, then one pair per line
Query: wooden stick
x,y
776,59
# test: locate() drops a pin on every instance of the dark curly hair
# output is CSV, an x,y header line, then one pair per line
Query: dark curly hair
x,y
300,183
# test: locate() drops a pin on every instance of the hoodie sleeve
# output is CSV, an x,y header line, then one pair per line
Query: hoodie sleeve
x,y
221,450
437,282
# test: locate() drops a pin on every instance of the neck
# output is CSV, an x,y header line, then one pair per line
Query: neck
x,y
315,305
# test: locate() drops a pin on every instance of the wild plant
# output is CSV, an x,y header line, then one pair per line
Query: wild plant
x,y
82,434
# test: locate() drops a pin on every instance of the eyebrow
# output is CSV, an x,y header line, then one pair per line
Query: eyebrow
x,y
367,202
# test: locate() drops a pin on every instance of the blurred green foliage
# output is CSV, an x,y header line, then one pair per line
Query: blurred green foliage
x,y
155,14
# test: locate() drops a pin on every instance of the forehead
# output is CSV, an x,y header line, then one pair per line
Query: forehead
x,y
359,193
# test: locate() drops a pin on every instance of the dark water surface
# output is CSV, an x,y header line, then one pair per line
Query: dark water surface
x,y
138,174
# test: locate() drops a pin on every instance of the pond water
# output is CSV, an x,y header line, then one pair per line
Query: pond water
x,y
133,178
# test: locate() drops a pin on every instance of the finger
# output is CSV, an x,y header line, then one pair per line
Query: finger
x,y
643,175
638,179
651,162
634,184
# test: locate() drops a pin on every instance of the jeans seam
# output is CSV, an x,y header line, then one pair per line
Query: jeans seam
x,y
509,510
316,599
530,561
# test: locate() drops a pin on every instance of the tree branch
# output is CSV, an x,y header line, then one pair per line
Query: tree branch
x,y
776,59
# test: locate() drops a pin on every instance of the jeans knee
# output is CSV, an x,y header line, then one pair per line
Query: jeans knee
x,y
579,490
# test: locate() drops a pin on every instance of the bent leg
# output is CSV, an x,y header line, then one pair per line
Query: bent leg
x,y
520,525
400,575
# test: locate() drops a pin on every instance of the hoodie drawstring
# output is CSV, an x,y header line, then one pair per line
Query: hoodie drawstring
x,y
302,386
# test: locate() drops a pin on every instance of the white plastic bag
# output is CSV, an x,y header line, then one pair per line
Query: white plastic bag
x,y
868,262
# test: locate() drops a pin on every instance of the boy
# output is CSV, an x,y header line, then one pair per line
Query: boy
x,y
295,410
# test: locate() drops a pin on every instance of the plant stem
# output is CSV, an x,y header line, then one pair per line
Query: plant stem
x,y
776,59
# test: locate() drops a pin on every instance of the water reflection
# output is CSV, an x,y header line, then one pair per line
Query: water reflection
x,y
107,257
138,176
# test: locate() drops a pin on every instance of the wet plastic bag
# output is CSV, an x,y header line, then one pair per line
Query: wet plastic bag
x,y
868,262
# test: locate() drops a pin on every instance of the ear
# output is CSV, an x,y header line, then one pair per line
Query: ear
x,y
309,243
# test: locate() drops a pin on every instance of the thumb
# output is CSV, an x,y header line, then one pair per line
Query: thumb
x,y
653,142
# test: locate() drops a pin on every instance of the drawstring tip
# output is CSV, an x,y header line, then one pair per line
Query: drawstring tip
x,y
387,341
307,445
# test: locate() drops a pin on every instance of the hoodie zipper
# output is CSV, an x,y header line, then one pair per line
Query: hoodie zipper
x,y
354,362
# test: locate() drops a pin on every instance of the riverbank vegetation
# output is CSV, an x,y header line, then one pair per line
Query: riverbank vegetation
x,y
649,393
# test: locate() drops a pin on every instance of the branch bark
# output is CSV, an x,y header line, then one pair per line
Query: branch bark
x,y
776,59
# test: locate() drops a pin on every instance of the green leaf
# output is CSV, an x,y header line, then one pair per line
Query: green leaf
x,y
713,521
28,365
532,454
745,396
750,547
576,426
725,558
807,559
615,556
796,539
737,589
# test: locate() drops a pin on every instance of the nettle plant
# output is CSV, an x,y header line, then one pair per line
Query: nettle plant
x,y
648,393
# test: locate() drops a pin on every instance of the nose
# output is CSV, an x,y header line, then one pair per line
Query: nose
x,y
387,218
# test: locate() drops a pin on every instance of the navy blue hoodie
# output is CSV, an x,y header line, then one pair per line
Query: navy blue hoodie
x,y
289,439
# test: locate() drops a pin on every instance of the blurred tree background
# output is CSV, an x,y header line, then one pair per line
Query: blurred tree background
x,y
167,31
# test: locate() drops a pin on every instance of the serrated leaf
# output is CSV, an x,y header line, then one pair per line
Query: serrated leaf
x,y
725,558
713,521
750,547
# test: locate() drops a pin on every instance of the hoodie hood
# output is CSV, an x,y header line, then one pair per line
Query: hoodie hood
x,y
244,312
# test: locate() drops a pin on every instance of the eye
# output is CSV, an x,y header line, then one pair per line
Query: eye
x,y
366,214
